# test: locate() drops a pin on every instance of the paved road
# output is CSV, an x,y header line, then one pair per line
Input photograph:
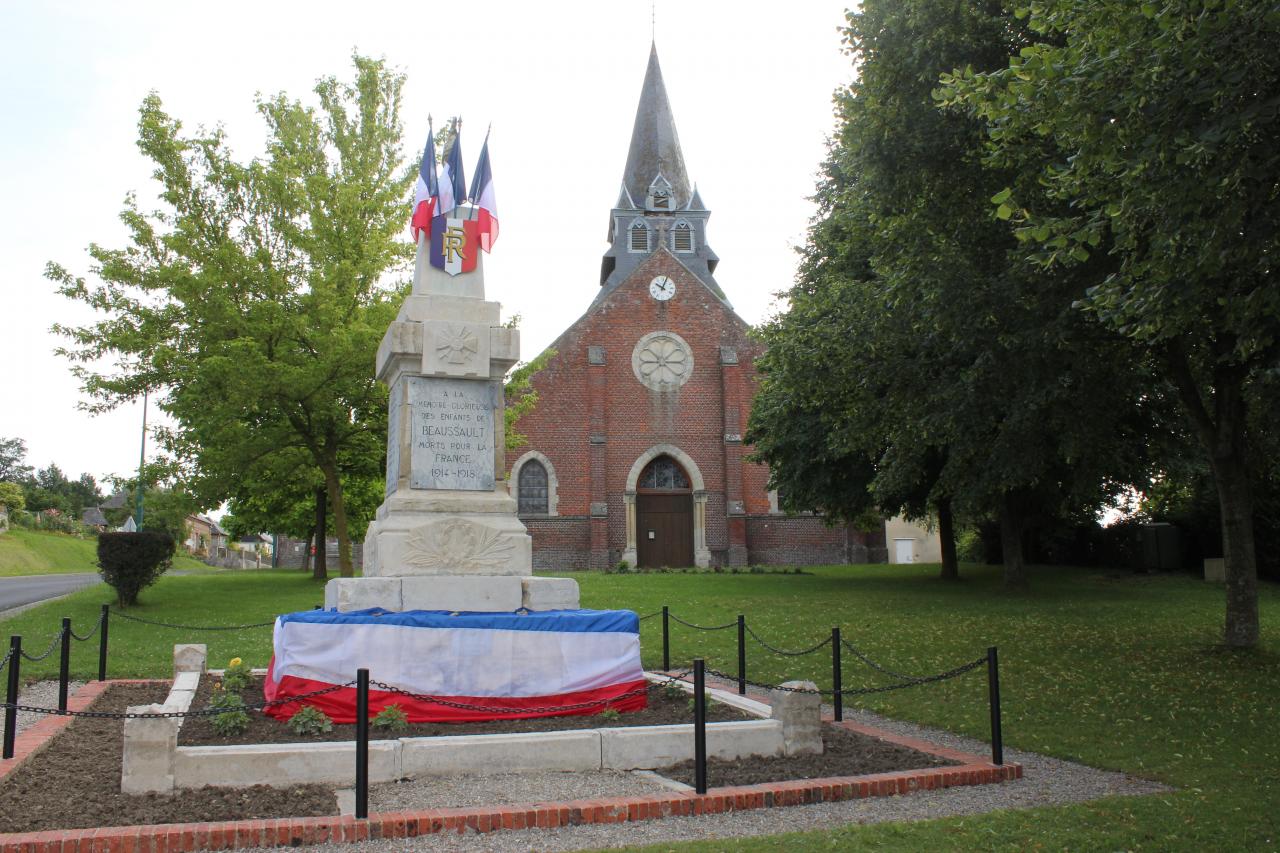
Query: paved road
x,y
16,592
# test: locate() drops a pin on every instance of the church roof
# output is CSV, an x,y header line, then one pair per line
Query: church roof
x,y
655,147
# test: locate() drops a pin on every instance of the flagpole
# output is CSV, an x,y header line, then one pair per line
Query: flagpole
x,y
472,214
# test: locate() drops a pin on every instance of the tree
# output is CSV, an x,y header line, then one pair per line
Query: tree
x,y
254,300
12,453
11,497
930,364
1151,129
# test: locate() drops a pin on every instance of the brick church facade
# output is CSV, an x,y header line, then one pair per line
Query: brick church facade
x,y
635,448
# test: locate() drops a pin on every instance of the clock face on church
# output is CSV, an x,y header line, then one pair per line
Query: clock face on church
x,y
662,288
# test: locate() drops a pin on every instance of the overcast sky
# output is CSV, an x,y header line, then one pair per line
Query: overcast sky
x,y
750,85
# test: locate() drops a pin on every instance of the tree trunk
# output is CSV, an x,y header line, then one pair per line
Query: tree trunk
x,y
1235,499
947,539
339,520
306,552
1015,570
1220,425
320,569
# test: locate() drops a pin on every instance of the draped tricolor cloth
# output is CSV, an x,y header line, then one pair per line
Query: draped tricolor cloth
x,y
512,664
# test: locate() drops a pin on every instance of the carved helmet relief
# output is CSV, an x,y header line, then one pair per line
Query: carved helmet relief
x,y
662,361
452,544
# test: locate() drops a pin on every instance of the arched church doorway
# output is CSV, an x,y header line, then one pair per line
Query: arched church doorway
x,y
664,515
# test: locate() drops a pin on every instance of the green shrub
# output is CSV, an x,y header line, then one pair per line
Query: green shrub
x,y
310,720
12,497
233,720
129,562
610,714
672,690
391,718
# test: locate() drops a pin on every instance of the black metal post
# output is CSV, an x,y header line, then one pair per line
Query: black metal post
x,y
699,727
836,699
742,655
362,744
64,664
993,685
11,696
102,643
666,640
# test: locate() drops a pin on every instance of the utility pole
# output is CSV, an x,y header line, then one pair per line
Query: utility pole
x,y
142,461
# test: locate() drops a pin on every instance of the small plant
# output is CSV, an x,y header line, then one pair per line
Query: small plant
x,y
391,718
236,676
610,714
692,704
310,720
233,720
623,567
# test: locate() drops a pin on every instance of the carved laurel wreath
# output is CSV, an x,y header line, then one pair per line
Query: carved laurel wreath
x,y
457,544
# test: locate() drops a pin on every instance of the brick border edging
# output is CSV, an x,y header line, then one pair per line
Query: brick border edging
x,y
292,832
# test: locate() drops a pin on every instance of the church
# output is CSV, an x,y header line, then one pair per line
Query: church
x,y
635,448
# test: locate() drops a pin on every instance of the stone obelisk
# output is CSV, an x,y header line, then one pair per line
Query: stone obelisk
x,y
447,537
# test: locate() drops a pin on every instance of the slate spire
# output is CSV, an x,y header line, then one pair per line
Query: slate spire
x,y
655,146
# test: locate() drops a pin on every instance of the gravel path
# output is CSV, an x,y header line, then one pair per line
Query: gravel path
x,y
41,694
1046,781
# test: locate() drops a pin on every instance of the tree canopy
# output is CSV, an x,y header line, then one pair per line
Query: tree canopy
x,y
923,365
253,300
1150,131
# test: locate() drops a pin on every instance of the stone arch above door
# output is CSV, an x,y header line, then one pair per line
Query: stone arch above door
x,y
701,553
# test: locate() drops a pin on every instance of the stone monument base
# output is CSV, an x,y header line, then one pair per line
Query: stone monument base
x,y
469,593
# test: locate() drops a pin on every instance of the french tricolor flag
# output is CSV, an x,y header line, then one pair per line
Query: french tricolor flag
x,y
484,198
427,192
521,664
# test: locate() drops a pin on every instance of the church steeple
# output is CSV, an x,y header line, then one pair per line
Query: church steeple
x,y
655,146
657,207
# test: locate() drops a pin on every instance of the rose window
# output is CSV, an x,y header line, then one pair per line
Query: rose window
x,y
662,361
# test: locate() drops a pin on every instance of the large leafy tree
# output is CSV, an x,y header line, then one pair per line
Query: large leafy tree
x,y
13,454
922,360
1151,129
253,300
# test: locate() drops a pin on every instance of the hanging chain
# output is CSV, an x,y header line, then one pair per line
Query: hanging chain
x,y
53,644
779,651
860,691
676,618
193,627
89,635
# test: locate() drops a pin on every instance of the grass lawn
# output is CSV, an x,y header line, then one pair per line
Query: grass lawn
x,y
36,552
1111,669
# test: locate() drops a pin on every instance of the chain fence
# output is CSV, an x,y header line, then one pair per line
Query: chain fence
x,y
676,618
785,652
858,691
53,644
124,615
89,636
160,715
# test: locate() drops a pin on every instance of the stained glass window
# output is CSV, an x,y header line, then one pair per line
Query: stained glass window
x,y
665,474
533,488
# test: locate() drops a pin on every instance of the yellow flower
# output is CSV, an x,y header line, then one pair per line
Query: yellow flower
x,y
235,662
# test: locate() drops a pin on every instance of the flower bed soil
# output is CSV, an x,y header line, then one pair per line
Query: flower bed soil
x,y
74,782
662,710
845,753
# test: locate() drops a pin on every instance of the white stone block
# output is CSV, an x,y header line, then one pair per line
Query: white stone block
x,y
648,747
149,747
282,764
484,593
349,594
190,657
801,718
549,593
480,755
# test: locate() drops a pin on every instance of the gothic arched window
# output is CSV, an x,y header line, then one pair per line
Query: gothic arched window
x,y
639,236
682,237
532,488
663,474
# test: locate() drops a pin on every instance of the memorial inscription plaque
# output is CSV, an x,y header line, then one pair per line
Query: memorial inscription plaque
x,y
451,439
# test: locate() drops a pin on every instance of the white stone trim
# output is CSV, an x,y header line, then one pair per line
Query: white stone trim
x,y
701,553
553,484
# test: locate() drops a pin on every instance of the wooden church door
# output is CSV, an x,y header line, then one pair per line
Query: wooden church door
x,y
664,515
